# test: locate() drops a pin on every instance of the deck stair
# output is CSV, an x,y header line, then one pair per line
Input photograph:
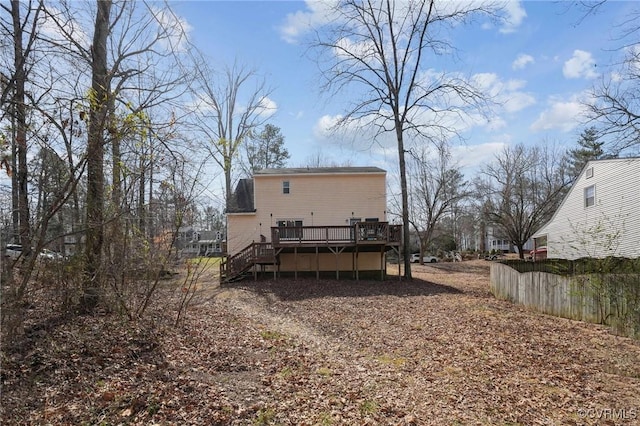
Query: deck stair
x,y
236,267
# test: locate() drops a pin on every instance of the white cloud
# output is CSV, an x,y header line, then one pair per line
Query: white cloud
x,y
172,29
472,156
448,117
323,128
299,23
522,61
73,27
507,94
268,105
564,115
517,101
515,14
616,77
581,65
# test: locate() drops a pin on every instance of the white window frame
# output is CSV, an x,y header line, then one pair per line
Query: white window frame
x,y
286,187
589,196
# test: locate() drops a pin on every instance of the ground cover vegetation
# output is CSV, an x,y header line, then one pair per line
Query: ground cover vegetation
x,y
435,350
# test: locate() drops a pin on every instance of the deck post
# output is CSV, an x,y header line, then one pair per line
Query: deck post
x,y
317,265
295,261
357,267
382,263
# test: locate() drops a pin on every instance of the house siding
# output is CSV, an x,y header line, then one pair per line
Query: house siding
x,y
611,227
327,262
317,199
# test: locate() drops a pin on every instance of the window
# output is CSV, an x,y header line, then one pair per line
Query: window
x,y
589,196
286,188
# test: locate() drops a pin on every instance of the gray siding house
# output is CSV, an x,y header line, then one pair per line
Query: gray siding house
x,y
600,215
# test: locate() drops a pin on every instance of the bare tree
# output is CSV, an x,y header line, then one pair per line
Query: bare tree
x,y
437,187
139,77
522,189
320,159
615,100
383,47
99,106
228,111
14,94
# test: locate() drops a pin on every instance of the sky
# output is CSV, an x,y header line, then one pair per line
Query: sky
x,y
540,62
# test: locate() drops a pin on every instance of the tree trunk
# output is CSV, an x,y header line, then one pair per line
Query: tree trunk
x,y
15,194
406,246
95,169
142,222
20,111
115,234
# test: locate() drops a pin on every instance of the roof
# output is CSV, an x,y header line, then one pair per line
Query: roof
x,y
318,170
242,199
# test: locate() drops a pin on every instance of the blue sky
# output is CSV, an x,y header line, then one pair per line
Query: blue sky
x,y
542,61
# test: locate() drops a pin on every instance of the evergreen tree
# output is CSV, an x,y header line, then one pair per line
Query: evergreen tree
x,y
590,148
266,150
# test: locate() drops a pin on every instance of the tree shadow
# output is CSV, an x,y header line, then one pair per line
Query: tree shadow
x,y
303,289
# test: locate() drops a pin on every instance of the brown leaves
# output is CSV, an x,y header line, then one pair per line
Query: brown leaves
x,y
437,350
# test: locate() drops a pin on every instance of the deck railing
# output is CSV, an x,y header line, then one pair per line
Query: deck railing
x,y
359,233
250,255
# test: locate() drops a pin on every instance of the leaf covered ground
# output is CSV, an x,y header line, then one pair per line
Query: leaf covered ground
x,y
437,350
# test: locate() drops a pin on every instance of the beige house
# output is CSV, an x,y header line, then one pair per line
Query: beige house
x,y
314,220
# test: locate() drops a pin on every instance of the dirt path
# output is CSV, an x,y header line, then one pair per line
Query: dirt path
x,y
441,348
436,350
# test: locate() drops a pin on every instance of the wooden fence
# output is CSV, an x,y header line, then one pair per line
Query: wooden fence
x,y
609,299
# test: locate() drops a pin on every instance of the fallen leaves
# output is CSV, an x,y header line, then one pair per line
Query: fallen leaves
x,y
436,350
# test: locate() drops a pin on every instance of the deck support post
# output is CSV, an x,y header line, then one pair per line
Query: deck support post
x,y
317,265
357,267
295,262
382,263
337,252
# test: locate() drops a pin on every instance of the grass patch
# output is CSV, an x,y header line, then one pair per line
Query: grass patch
x,y
324,371
265,416
368,407
389,360
272,335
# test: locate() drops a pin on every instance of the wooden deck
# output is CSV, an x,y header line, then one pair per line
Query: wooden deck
x,y
357,238
359,234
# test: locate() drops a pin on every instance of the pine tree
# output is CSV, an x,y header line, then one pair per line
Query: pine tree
x,y
590,148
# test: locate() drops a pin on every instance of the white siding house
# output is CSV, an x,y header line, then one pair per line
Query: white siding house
x,y
600,216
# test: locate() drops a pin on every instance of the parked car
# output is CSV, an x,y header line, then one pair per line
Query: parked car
x,y
415,258
49,255
13,251
540,253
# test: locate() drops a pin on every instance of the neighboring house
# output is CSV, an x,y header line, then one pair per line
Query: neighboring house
x,y
495,240
310,219
186,234
211,243
200,243
599,216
